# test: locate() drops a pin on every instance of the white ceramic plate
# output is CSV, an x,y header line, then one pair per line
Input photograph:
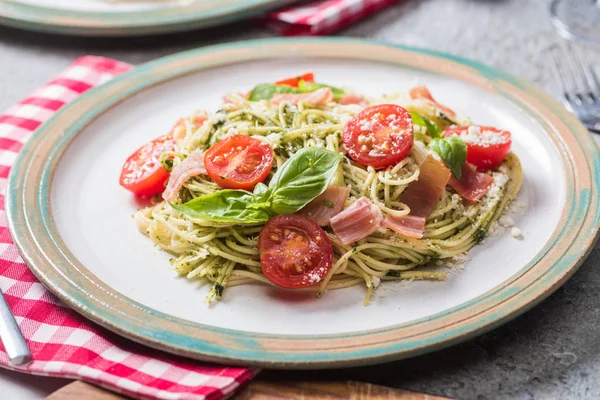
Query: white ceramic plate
x,y
134,17
92,213
96,223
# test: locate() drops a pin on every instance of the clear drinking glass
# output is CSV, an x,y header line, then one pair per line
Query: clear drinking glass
x,y
577,19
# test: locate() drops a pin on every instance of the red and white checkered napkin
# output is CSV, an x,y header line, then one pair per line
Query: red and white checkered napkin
x,y
62,342
322,17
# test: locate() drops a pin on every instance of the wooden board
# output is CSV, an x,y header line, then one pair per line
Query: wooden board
x,y
261,390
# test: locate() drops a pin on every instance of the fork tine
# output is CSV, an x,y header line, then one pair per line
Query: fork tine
x,y
575,68
592,77
586,70
582,73
558,69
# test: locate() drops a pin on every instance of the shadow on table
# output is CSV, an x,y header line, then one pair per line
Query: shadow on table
x,y
551,350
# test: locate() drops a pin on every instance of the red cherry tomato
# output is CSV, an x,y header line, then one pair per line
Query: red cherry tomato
x,y
294,251
142,173
487,147
238,162
308,77
379,136
179,129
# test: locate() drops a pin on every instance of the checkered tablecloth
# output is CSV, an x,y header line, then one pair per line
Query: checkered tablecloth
x,y
62,342
323,17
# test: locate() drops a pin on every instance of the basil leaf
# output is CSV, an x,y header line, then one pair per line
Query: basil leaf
x,y
261,192
265,91
302,178
432,128
305,87
260,198
453,152
224,206
299,180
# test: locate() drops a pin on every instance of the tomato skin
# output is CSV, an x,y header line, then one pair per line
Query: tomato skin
x,y
484,155
142,173
179,129
239,162
379,136
308,77
295,251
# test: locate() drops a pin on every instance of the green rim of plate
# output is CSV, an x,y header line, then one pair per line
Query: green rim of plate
x,y
200,14
33,230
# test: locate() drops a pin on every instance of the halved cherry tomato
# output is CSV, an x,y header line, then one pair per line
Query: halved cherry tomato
x,y
294,251
487,146
142,173
238,162
179,129
379,136
308,77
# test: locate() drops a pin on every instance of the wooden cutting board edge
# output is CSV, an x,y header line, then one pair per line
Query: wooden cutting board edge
x,y
263,390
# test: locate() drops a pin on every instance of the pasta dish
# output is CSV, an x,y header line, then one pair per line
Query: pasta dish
x,y
300,184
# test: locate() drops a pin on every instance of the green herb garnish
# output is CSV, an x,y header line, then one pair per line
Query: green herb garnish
x,y
299,180
453,151
433,130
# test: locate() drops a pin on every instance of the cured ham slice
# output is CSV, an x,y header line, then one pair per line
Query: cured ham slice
x,y
327,205
421,197
357,221
473,185
353,99
423,194
421,92
319,96
407,225
193,165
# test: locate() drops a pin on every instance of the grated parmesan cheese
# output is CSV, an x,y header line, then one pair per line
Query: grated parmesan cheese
x,y
474,135
516,233
506,221
376,281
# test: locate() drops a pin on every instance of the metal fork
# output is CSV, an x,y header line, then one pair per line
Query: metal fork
x,y
579,84
14,343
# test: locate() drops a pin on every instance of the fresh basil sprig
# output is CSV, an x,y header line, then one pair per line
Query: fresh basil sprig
x,y
223,206
299,180
265,91
302,178
432,128
453,151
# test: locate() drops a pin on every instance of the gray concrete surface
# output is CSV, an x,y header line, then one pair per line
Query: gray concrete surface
x,y
551,352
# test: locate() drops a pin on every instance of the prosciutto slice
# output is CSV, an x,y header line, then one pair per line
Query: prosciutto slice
x,y
421,197
407,225
473,185
421,92
193,165
353,99
357,221
319,96
326,205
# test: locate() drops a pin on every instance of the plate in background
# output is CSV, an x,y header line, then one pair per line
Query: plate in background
x,y
139,17
72,221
